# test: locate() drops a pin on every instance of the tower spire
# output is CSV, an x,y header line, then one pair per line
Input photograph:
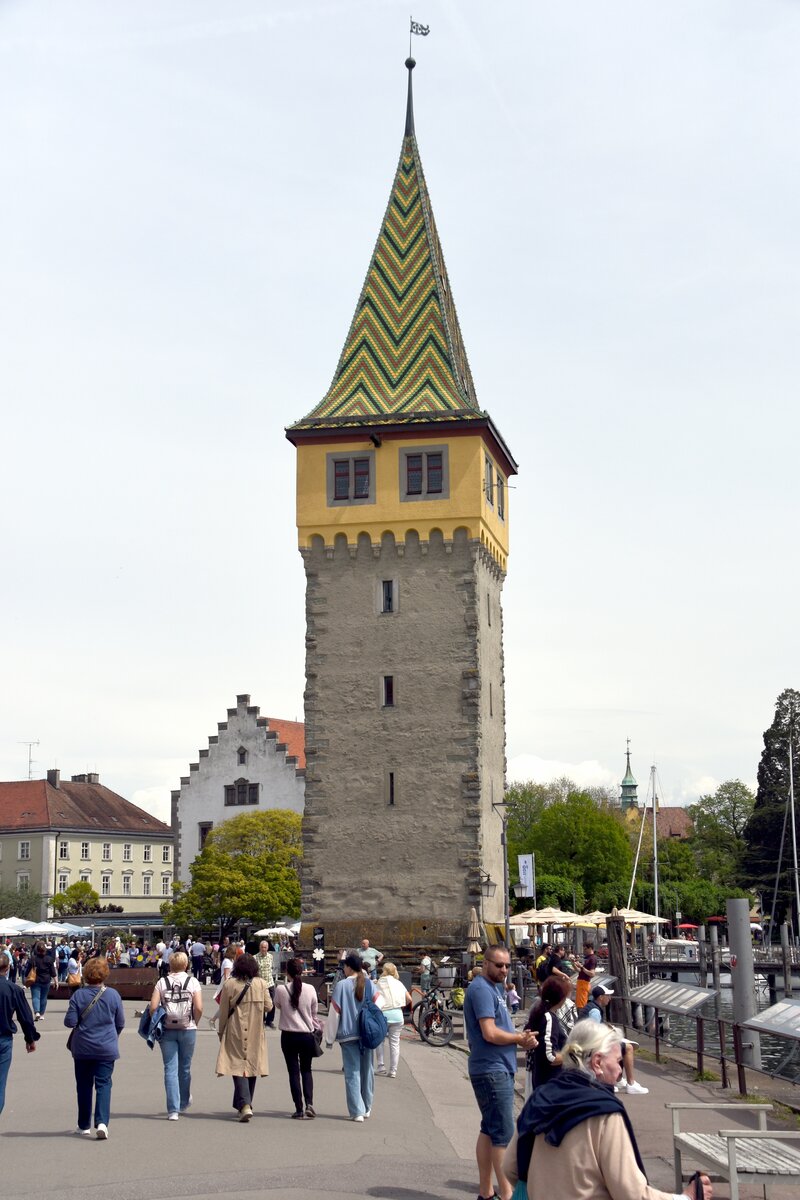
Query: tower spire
x,y
628,795
410,64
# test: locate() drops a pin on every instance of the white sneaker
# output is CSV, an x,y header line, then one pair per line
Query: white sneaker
x,y
102,1132
368,1114
380,1070
84,1132
636,1089
172,1116
356,1118
393,1074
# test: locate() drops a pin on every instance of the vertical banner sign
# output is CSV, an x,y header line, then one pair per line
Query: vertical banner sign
x,y
525,864
318,952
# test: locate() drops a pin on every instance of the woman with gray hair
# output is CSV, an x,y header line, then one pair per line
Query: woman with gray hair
x,y
574,1137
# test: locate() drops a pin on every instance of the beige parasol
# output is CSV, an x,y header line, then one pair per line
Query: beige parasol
x,y
546,916
474,933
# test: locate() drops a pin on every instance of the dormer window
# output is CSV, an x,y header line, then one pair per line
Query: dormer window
x,y
241,755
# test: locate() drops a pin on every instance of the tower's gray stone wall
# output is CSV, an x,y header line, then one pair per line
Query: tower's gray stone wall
x,y
405,873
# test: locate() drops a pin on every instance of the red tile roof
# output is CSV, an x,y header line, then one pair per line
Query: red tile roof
x,y
674,823
36,804
292,734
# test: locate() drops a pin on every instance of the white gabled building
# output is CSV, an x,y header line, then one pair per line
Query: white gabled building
x,y
250,761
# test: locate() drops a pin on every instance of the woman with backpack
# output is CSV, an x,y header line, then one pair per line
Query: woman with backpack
x,y
181,997
243,1005
349,997
297,1021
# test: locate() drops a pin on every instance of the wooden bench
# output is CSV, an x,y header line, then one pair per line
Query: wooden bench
x,y
738,1155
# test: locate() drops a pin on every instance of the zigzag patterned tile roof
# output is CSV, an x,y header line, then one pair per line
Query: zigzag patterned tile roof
x,y
404,357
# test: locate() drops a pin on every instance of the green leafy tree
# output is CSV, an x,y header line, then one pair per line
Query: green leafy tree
x,y
555,891
26,905
79,898
720,821
578,839
764,829
526,803
247,870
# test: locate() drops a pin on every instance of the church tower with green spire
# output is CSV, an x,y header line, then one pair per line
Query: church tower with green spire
x,y
629,788
402,516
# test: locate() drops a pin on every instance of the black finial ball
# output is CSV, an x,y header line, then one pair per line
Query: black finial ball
x,y
411,63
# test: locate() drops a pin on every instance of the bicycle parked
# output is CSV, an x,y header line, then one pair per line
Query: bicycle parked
x,y
431,1019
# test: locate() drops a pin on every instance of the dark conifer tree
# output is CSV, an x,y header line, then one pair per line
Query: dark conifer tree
x,y
765,828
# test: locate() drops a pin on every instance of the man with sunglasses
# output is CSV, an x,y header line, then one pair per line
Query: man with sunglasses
x,y
493,1043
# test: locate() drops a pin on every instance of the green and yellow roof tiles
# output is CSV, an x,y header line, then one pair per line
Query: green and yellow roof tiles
x,y
404,355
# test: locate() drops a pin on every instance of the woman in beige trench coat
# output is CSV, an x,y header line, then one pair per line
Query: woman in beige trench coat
x,y
243,1004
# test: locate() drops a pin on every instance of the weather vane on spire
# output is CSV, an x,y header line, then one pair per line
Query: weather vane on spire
x,y
419,30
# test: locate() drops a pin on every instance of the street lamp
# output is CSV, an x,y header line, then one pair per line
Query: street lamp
x,y
488,885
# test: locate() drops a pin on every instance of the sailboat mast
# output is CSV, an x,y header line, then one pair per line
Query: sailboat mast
x,y
794,827
655,837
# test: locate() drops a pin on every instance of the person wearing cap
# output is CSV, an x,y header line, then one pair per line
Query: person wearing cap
x,y
600,999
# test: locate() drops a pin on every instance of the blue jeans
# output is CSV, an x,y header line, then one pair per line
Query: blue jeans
x,y
495,1095
359,1078
177,1048
6,1046
93,1073
39,993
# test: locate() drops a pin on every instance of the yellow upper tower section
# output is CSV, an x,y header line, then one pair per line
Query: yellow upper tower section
x,y
399,441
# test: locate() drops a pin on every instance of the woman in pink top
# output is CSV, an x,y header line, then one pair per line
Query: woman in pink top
x,y
296,1003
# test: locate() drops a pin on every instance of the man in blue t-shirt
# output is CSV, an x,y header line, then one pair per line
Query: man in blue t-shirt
x,y
493,1045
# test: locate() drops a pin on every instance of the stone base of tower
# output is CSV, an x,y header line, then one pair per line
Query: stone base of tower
x,y
401,942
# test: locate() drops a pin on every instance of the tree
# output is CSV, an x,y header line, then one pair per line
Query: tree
x,y
720,822
576,838
247,869
526,803
555,891
764,830
23,904
79,898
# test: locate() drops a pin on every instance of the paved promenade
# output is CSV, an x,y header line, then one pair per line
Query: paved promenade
x,y
418,1143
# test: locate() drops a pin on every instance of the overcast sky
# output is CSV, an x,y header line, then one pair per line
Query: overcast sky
x,y
188,204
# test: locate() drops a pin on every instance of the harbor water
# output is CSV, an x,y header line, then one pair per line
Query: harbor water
x,y
779,1056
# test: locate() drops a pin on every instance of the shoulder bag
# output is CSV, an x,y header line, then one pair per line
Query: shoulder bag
x,y
82,1014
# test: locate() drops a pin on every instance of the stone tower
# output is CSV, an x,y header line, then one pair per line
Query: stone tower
x,y
402,515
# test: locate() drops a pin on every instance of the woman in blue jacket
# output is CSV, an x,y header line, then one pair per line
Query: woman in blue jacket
x,y
347,1000
96,1017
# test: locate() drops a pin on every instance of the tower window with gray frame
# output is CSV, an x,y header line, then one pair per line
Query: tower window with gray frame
x,y
350,478
489,481
424,473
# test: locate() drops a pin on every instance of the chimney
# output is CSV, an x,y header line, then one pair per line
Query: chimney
x,y
79,779
93,777
54,777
